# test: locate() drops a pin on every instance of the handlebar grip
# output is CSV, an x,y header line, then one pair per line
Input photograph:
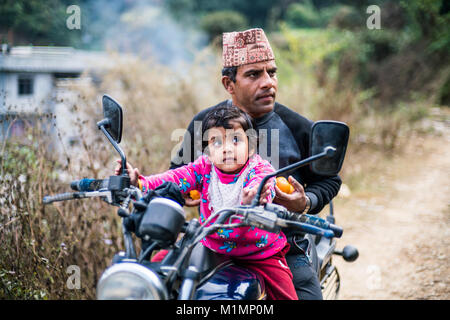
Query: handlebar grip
x,y
313,229
308,223
315,221
74,185
87,184
59,197
336,230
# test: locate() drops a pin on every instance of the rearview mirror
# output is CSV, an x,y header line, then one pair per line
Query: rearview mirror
x,y
111,126
112,113
328,134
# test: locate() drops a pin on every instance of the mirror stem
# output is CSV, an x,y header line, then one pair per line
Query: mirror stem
x,y
116,146
327,152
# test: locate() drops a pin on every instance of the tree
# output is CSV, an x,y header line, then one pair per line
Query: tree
x,y
223,21
35,22
258,13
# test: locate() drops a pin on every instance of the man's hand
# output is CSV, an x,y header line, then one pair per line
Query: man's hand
x,y
296,201
249,194
132,172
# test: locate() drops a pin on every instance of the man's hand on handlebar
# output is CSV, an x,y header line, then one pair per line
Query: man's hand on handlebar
x,y
132,172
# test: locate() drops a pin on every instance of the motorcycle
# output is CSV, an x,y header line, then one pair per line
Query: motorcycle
x,y
190,270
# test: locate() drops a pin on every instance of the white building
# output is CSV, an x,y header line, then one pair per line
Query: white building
x,y
30,84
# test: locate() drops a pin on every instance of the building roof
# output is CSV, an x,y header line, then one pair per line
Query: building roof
x,y
50,60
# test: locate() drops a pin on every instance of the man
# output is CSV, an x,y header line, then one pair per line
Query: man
x,y
249,76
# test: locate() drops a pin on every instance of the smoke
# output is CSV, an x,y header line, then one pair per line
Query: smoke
x,y
143,28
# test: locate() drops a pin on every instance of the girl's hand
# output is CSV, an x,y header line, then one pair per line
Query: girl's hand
x,y
132,172
249,194
189,202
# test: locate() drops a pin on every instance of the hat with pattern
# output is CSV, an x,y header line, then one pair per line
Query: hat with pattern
x,y
245,47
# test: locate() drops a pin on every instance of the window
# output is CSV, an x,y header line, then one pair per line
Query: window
x,y
25,85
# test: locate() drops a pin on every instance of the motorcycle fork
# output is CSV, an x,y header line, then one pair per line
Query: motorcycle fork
x,y
128,240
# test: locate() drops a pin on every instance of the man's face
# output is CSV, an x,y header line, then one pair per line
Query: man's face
x,y
255,88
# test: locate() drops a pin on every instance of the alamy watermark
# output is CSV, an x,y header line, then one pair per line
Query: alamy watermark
x,y
74,280
374,20
74,20
373,280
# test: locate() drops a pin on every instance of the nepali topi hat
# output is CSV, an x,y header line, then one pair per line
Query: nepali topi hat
x,y
245,47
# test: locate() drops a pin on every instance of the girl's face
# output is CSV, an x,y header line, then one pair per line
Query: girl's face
x,y
228,148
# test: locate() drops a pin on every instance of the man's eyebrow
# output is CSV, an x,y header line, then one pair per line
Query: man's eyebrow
x,y
274,69
252,71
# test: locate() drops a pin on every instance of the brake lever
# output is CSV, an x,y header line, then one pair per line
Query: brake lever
x,y
123,210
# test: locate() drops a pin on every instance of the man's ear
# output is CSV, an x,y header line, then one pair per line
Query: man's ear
x,y
228,84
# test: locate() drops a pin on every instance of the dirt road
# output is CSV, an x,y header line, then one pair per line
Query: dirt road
x,y
402,227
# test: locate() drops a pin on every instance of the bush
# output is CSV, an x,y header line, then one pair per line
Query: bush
x,y
444,94
214,24
41,242
347,17
303,15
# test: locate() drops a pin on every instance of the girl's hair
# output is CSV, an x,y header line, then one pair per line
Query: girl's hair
x,y
222,116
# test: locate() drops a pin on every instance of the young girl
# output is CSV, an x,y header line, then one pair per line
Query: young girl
x,y
226,175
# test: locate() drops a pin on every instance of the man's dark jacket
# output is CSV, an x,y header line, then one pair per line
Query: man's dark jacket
x,y
293,139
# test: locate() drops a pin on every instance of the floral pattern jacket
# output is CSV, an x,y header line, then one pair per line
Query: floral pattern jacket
x,y
248,243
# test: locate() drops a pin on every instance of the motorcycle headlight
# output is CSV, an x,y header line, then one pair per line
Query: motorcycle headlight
x,y
130,281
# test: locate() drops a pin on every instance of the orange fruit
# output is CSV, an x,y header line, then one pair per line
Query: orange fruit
x,y
284,185
194,194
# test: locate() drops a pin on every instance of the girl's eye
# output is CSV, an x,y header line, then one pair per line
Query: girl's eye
x,y
236,139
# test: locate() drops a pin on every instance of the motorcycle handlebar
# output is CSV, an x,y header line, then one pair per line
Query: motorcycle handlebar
x,y
112,190
87,184
305,220
60,197
321,223
312,229
338,231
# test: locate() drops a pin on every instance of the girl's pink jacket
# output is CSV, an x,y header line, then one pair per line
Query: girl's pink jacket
x,y
243,242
